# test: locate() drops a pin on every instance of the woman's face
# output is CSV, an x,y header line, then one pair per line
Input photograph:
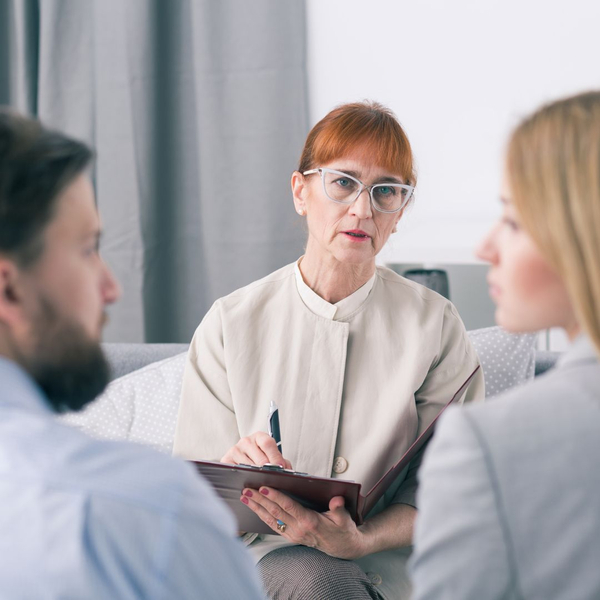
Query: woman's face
x,y
349,233
528,293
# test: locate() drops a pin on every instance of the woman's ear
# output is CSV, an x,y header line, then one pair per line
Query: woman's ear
x,y
299,192
398,217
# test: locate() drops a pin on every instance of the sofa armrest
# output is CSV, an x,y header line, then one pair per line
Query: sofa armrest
x,y
545,360
125,358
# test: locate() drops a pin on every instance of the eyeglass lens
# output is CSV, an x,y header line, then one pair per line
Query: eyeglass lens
x,y
343,188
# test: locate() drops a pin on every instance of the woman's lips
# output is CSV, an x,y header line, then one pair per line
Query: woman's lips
x,y
356,235
493,290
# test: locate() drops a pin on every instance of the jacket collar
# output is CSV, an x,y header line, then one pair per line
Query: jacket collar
x,y
335,312
581,350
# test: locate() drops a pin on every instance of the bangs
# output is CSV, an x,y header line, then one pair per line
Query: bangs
x,y
387,152
367,128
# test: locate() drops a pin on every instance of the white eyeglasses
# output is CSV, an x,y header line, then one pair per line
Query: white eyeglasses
x,y
344,189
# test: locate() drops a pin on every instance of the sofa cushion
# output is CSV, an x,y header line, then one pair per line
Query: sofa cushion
x,y
507,359
140,406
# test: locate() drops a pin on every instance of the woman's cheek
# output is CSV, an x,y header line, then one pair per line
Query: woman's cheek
x,y
538,293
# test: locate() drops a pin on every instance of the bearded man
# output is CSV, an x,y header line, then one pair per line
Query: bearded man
x,y
83,518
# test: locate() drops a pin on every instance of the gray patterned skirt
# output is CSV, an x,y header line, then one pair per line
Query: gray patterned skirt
x,y
302,573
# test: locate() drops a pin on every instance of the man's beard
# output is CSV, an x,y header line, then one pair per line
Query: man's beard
x,y
66,363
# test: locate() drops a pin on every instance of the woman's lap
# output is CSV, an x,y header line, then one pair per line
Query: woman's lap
x,y
301,573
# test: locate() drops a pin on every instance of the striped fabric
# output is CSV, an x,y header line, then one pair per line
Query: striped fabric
x,y
301,573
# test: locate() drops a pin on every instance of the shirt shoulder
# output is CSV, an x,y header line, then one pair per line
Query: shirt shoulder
x,y
153,489
129,521
64,457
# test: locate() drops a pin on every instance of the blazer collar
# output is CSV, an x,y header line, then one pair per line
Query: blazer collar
x,y
581,350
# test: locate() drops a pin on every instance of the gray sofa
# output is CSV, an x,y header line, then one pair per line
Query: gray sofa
x,y
142,402
125,358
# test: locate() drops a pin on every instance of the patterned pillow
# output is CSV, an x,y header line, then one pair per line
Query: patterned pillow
x,y
507,359
140,406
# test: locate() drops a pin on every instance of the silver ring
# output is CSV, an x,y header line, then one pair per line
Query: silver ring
x,y
281,526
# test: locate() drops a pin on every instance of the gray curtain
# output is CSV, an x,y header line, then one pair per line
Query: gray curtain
x,y
198,112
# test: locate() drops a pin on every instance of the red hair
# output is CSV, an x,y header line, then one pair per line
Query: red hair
x,y
368,125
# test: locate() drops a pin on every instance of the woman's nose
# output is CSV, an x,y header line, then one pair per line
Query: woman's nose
x,y
487,248
361,207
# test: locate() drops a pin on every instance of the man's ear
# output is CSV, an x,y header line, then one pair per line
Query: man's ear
x,y
299,192
12,293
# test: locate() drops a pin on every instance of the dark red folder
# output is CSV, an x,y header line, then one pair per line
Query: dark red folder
x,y
312,492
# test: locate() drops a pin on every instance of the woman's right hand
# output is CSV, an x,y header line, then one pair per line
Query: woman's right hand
x,y
256,449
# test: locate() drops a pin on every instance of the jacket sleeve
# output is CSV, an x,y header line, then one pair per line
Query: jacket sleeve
x,y
206,423
455,360
461,544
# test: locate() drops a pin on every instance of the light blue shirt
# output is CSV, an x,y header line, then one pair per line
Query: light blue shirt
x,y
83,518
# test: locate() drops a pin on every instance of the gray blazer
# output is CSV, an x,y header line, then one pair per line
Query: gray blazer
x,y
509,500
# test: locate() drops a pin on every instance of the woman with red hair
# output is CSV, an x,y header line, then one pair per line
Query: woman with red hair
x,y
358,359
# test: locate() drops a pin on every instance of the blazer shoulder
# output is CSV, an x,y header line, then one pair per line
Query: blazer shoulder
x,y
560,402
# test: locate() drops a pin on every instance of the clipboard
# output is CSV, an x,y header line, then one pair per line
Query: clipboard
x,y
310,491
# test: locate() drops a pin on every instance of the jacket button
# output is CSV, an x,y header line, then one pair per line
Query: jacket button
x,y
375,578
340,464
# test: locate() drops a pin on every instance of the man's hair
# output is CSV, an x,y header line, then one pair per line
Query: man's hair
x,y
36,164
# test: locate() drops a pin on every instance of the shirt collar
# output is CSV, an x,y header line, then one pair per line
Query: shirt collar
x,y
581,350
335,312
19,390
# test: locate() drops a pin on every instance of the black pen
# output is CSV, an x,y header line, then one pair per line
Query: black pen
x,y
274,430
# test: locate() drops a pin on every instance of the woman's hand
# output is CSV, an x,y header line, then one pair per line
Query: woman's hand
x,y
333,532
256,449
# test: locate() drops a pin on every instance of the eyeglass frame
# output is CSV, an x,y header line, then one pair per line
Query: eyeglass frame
x,y
363,187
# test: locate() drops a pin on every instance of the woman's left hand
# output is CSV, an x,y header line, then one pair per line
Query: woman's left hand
x,y
333,532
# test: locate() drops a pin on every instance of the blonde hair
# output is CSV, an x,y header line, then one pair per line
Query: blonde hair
x,y
553,169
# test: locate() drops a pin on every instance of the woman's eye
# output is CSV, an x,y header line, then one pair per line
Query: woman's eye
x,y
344,182
386,190
510,223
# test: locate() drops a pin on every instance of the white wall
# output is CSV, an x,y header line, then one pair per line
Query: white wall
x,y
459,75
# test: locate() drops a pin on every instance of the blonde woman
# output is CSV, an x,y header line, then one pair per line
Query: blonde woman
x,y
510,492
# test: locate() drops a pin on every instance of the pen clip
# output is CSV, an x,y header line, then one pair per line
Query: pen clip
x,y
273,424
272,409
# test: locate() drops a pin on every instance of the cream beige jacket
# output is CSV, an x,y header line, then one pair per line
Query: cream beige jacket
x,y
353,393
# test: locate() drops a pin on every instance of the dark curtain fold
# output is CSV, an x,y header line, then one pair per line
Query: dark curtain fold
x,y
198,111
